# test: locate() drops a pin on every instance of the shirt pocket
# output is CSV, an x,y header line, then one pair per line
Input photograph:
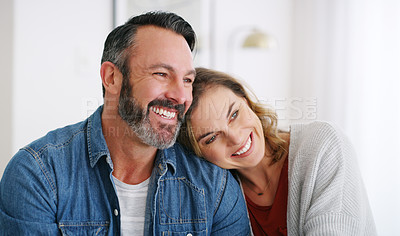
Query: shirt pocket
x,y
84,228
189,233
181,202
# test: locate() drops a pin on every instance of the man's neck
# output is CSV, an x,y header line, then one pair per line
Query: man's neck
x,y
132,159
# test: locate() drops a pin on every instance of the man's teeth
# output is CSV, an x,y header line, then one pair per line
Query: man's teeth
x,y
245,149
164,113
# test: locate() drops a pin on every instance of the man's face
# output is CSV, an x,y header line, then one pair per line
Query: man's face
x,y
158,92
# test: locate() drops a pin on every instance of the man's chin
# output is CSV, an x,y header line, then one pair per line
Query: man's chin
x,y
167,136
159,135
166,140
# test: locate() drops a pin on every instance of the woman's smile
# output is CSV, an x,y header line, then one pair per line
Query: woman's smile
x,y
245,150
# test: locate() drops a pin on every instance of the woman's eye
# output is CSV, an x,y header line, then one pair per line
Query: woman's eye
x,y
234,115
210,140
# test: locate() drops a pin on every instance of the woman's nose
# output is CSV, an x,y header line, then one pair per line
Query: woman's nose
x,y
234,137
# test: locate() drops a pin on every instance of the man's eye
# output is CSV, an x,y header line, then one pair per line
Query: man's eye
x,y
188,80
210,140
160,74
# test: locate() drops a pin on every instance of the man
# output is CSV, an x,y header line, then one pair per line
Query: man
x,y
119,171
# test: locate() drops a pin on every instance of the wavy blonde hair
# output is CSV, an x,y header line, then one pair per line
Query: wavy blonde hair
x,y
207,78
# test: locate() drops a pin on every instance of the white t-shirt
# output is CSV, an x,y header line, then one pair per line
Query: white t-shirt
x,y
132,202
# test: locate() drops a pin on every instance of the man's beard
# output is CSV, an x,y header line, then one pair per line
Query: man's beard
x,y
138,119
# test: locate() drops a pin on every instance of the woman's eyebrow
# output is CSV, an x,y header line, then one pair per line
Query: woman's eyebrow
x,y
229,110
203,135
227,117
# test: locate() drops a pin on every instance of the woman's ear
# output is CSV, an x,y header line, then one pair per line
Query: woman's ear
x,y
111,77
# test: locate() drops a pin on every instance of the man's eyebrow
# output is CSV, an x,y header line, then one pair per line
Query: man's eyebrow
x,y
170,68
162,65
203,135
192,72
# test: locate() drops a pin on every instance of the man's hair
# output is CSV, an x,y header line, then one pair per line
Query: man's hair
x,y
119,42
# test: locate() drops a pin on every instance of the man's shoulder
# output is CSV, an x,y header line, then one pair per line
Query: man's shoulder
x,y
203,173
58,138
197,168
68,135
45,156
188,157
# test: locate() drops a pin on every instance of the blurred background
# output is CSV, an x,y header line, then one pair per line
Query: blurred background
x,y
337,61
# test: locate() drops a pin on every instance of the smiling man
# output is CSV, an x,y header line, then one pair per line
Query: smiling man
x,y
120,171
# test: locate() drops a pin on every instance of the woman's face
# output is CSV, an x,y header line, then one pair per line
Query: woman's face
x,y
228,132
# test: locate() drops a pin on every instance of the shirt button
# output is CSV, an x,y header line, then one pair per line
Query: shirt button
x,y
189,234
115,212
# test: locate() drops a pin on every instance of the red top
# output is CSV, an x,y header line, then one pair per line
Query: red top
x,y
271,220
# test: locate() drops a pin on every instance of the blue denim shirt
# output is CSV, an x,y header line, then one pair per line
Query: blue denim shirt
x,y
62,184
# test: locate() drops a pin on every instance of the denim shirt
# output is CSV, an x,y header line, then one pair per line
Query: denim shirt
x,y
62,184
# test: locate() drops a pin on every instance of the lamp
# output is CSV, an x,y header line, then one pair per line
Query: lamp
x,y
254,39
258,39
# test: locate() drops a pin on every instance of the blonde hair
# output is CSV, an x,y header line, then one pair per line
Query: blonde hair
x,y
206,78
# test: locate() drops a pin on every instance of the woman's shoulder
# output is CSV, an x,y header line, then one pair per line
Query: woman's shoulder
x,y
315,127
316,133
320,149
319,140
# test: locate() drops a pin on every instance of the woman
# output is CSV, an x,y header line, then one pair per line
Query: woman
x,y
302,182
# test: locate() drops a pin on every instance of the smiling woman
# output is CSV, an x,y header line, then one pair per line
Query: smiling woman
x,y
312,163
234,136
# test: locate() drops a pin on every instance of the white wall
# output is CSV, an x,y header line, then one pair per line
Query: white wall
x,y
266,71
57,52
346,54
6,65
50,62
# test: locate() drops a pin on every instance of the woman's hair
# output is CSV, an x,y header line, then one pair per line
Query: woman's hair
x,y
206,79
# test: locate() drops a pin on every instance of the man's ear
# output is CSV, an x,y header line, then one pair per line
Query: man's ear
x,y
111,77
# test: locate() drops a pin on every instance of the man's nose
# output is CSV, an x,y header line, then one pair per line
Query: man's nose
x,y
178,92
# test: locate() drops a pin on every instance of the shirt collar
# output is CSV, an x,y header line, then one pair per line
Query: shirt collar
x,y
97,146
164,157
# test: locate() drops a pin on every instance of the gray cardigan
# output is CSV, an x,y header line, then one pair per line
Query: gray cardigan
x,y
326,192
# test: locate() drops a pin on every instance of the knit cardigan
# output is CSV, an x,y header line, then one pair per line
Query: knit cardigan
x,y
326,193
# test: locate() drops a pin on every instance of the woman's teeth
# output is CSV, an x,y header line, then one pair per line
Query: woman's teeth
x,y
164,113
244,149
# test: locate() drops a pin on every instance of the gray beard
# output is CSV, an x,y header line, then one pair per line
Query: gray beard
x,y
138,119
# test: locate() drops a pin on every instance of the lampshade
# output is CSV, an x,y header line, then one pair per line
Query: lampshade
x,y
258,39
